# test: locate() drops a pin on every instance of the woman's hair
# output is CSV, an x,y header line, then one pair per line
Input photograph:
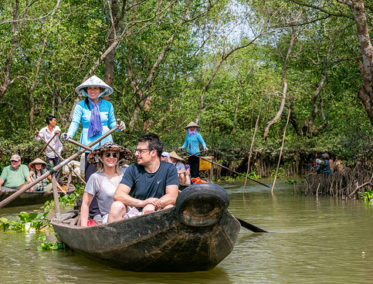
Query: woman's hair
x,y
100,164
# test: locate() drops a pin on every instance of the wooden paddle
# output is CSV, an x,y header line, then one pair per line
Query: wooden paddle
x,y
61,159
225,168
250,227
47,144
56,168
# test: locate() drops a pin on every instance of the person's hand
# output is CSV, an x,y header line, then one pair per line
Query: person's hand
x,y
57,132
154,201
36,133
66,136
205,149
122,125
149,208
180,148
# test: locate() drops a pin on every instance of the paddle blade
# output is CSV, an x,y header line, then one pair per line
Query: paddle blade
x,y
251,227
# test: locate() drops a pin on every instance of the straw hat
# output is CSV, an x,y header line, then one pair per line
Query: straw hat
x,y
94,81
192,124
175,156
37,161
93,158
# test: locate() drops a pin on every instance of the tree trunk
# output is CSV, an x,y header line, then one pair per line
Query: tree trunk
x,y
366,49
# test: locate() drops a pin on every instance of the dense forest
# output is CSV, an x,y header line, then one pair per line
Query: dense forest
x,y
237,67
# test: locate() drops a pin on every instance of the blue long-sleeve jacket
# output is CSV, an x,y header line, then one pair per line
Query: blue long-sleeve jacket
x,y
192,143
82,114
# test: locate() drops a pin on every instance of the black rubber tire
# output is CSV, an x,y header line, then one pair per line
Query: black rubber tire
x,y
201,204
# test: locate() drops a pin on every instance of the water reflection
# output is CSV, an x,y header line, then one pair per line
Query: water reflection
x,y
312,241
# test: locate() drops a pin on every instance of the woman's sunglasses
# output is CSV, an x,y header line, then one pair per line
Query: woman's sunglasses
x,y
114,155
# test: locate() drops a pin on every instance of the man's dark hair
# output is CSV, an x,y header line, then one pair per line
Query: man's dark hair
x,y
49,118
154,142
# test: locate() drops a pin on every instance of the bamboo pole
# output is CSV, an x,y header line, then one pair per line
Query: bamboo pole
x,y
282,147
55,196
251,152
56,168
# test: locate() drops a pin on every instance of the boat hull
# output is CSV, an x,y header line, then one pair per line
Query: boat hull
x,y
26,198
195,235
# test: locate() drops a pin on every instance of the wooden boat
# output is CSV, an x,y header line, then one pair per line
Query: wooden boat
x,y
197,234
28,198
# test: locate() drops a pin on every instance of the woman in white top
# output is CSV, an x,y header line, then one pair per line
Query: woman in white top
x,y
104,182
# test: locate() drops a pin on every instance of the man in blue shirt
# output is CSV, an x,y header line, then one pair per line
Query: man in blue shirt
x,y
149,185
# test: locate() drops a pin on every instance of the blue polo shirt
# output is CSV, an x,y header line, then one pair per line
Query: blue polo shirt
x,y
145,185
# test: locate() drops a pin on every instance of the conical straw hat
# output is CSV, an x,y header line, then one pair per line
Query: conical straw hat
x,y
94,81
37,161
176,156
191,124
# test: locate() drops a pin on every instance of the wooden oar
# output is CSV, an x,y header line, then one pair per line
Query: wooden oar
x,y
250,227
46,145
79,144
61,159
226,168
56,168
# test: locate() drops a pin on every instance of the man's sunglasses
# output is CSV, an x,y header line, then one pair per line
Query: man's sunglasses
x,y
114,155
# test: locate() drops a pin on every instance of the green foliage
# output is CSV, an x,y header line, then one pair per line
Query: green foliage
x,y
68,199
247,83
35,220
290,181
367,196
47,245
281,173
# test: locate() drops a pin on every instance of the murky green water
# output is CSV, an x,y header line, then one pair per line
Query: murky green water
x,y
313,241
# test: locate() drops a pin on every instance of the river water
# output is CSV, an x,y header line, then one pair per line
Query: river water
x,y
311,240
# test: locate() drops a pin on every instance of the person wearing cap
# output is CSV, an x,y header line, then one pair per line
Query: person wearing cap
x,y
46,134
103,183
148,185
165,157
37,169
192,140
184,176
15,175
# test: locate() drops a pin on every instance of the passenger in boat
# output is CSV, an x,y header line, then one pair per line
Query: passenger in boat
x,y
103,183
192,140
148,185
165,157
96,116
322,165
184,177
37,169
46,134
15,175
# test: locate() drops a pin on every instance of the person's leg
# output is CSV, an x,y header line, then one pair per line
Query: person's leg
x,y
52,162
56,161
182,178
117,211
194,166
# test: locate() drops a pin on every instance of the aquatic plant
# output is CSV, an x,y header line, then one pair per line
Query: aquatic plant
x,y
48,245
367,196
